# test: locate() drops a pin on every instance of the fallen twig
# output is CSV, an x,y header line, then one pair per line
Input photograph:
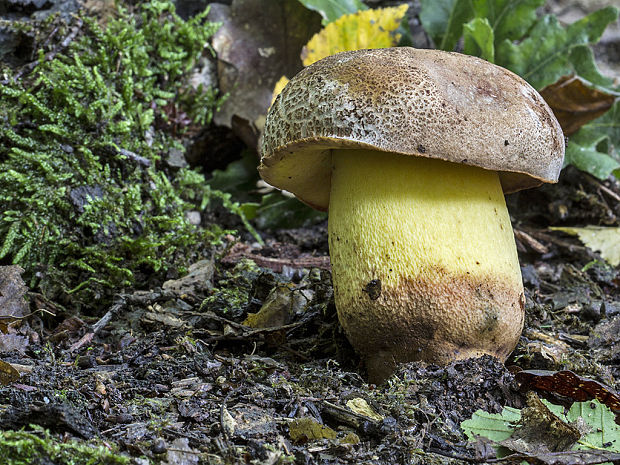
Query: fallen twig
x,y
49,56
239,251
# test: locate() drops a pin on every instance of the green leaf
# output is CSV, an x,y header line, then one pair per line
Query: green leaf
x,y
274,211
249,209
278,211
495,426
543,57
604,434
509,19
238,178
443,20
585,148
479,39
590,160
331,10
584,64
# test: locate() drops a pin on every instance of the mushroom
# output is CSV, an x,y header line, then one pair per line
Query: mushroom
x,y
411,151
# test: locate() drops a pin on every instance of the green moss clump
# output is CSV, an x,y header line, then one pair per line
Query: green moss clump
x,y
233,292
22,448
88,204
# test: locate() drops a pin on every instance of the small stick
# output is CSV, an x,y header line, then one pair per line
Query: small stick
x,y
592,180
49,56
102,323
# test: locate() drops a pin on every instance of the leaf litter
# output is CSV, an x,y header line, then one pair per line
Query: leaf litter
x,y
178,362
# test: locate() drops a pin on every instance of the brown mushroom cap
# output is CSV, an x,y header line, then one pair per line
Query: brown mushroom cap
x,y
425,103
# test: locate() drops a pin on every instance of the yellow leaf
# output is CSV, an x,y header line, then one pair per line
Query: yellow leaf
x,y
278,309
375,28
605,240
359,405
283,81
306,429
8,374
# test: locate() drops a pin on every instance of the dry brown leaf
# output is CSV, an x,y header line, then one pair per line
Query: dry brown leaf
x,y
575,104
103,10
281,305
12,291
13,343
197,282
8,374
258,42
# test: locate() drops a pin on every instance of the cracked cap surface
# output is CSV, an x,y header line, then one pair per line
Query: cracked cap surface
x,y
426,103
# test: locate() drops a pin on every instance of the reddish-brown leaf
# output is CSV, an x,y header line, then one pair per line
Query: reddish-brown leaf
x,y
575,104
569,385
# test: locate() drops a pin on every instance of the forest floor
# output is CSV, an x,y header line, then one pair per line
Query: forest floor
x,y
166,376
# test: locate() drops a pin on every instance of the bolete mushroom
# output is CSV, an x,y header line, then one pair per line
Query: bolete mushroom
x,y
410,151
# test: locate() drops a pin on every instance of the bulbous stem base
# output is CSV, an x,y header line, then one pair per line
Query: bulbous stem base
x,y
424,261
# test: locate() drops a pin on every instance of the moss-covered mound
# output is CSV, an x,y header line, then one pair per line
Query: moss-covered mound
x,y
87,203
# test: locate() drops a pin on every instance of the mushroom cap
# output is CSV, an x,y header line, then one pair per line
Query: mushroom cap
x,y
418,102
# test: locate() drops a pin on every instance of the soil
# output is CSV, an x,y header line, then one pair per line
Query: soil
x,y
173,375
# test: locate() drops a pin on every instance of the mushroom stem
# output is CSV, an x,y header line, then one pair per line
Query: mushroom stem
x,y
424,260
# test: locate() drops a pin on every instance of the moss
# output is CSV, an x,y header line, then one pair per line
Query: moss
x,y
89,204
233,293
22,448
